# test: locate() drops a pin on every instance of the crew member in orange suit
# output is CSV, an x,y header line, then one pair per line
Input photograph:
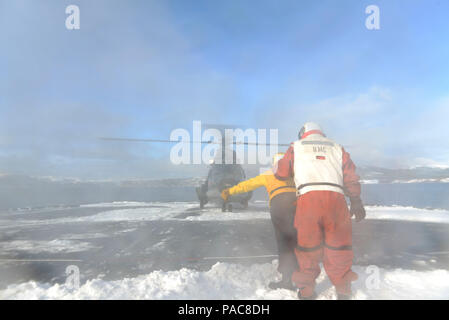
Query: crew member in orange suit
x,y
282,195
323,173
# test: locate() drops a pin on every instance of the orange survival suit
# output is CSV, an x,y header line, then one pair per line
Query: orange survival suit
x,y
324,173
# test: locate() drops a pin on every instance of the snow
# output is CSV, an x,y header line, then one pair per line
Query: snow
x,y
135,214
85,236
434,180
180,211
235,281
223,216
367,181
407,214
53,246
189,211
222,280
173,210
116,204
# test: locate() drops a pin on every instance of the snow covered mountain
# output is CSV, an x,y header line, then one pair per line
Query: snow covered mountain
x,y
411,175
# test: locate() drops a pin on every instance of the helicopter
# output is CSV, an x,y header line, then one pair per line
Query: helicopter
x,y
224,169
222,175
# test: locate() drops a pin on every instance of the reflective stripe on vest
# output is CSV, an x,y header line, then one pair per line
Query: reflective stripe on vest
x,y
320,184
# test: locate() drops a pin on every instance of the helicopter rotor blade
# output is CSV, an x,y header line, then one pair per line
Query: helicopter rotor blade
x,y
202,142
261,144
155,140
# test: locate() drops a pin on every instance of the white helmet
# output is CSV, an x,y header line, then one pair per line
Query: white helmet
x,y
309,126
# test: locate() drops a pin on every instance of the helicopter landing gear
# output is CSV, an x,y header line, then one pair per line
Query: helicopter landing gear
x,y
202,196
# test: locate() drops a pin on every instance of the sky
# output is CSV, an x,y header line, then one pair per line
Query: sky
x,y
144,68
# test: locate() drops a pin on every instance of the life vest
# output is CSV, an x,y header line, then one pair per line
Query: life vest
x,y
275,186
317,165
267,180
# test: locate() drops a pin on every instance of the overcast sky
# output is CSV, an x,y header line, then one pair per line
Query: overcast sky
x,y
143,68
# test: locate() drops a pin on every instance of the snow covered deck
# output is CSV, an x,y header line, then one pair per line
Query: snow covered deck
x,y
134,250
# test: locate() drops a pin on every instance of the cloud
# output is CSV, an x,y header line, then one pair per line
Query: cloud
x,y
129,71
145,69
377,126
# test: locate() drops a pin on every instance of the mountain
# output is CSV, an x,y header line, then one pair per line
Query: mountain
x,y
19,191
412,175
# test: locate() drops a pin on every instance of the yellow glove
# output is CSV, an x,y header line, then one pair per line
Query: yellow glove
x,y
225,194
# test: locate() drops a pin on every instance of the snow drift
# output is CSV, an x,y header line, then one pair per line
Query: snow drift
x,y
234,281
